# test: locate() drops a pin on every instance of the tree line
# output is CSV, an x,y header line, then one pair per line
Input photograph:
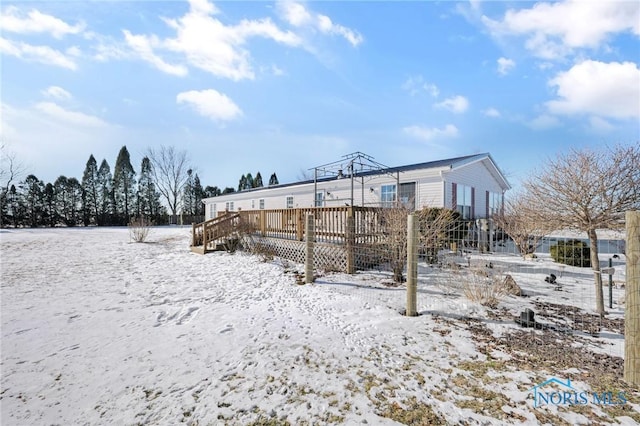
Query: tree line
x,y
165,185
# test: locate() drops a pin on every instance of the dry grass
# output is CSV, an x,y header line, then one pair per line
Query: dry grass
x,y
481,287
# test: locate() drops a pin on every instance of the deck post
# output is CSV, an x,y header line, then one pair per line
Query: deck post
x,y
193,235
632,300
263,222
299,225
351,240
310,234
204,238
412,266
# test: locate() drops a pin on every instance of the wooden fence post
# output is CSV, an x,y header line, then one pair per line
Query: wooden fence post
x,y
299,225
263,222
204,238
310,232
632,300
412,266
351,241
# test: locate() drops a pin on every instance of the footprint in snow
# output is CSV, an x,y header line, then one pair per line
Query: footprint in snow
x,y
226,329
191,312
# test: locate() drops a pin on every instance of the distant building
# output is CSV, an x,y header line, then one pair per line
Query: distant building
x,y
473,185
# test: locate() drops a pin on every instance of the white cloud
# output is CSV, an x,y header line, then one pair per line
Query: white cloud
x,y
295,13
428,133
56,92
415,85
214,47
505,66
456,104
143,47
12,20
600,125
43,54
210,103
491,112
598,88
70,117
298,16
554,30
543,122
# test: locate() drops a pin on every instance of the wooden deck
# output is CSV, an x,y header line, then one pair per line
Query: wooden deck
x,y
347,226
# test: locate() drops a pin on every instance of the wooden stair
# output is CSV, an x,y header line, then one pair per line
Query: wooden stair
x,y
208,235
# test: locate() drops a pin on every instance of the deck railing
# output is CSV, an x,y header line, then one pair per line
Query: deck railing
x,y
337,225
205,233
332,223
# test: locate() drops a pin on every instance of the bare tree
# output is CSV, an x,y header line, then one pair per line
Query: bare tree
x,y
517,222
170,174
587,190
439,227
394,239
10,171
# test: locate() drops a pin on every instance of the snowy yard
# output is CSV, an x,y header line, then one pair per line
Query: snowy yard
x,y
99,330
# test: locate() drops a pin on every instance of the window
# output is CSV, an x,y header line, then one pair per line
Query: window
x,y
212,211
387,195
290,202
261,203
253,204
463,201
319,199
229,206
495,203
408,195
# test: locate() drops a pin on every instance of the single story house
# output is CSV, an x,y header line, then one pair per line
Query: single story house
x,y
473,185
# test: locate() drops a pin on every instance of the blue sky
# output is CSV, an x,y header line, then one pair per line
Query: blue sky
x,y
285,86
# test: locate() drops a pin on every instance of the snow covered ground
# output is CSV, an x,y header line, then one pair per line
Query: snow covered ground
x,y
99,330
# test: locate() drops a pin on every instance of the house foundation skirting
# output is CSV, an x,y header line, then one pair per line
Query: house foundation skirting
x,y
326,256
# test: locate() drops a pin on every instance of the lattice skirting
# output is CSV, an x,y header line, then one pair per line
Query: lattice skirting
x,y
326,256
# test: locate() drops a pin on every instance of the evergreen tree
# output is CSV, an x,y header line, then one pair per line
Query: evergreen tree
x,y
257,182
198,193
188,196
74,191
105,196
68,200
228,190
32,188
248,182
16,206
211,191
242,183
148,197
273,180
124,186
90,191
50,213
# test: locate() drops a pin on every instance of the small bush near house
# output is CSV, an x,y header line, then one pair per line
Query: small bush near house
x,y
572,253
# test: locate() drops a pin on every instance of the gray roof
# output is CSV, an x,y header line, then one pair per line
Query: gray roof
x,y
448,162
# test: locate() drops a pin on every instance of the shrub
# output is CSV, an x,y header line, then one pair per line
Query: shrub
x,y
487,291
139,229
572,253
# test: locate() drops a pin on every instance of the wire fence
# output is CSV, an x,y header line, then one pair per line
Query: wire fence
x,y
559,297
539,287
